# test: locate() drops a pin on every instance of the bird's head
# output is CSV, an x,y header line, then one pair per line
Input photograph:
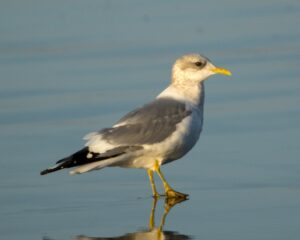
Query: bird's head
x,y
194,68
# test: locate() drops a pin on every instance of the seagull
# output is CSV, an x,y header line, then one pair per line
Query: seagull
x,y
157,133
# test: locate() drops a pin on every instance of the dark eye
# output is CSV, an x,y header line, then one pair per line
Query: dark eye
x,y
200,64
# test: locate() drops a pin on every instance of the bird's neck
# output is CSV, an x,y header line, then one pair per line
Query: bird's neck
x,y
193,93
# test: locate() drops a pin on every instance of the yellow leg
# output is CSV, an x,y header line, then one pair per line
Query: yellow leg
x,y
152,215
154,191
170,193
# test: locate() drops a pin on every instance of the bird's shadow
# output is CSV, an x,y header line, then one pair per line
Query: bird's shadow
x,y
153,232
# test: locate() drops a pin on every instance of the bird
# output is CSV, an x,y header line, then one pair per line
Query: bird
x,y
152,135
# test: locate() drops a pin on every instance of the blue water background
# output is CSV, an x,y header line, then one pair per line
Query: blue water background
x,y
71,67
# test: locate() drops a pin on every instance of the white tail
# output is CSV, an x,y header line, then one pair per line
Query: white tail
x,y
94,166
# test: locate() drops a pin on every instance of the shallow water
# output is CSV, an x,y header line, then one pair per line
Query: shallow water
x,y
71,67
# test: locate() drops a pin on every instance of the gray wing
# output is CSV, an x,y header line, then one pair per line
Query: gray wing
x,y
149,124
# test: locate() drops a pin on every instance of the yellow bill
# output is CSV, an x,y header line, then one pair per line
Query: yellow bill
x,y
220,70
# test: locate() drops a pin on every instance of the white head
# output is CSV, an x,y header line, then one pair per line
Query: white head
x,y
193,69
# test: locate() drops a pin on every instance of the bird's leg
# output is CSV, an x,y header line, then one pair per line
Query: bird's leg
x,y
152,215
154,191
170,193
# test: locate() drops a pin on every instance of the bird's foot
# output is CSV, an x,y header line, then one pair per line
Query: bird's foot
x,y
171,202
170,193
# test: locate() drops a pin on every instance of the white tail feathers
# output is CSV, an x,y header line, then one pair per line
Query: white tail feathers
x,y
94,166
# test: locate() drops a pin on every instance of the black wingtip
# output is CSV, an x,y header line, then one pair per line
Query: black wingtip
x,y
75,159
50,170
44,172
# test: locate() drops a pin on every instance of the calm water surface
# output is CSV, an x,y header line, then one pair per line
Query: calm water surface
x,y
71,67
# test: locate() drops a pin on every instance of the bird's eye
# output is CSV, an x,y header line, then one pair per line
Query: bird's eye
x,y
200,64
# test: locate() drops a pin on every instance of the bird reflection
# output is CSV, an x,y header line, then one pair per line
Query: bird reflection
x,y
153,233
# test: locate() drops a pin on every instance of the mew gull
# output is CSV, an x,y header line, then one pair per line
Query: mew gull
x,y
159,132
